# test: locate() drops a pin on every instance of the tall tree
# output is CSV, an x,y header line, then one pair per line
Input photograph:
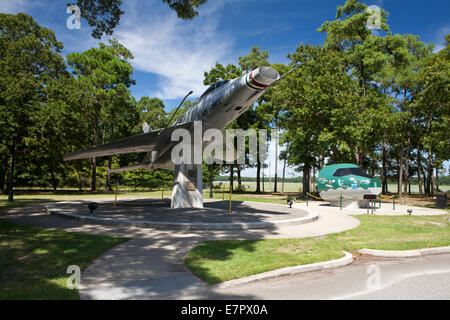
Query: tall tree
x,y
364,55
433,110
105,73
259,118
29,60
152,112
277,104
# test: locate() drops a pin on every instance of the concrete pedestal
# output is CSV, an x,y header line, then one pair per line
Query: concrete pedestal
x,y
188,187
349,204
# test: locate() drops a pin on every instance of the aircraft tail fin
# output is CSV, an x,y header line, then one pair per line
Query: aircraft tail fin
x,y
146,128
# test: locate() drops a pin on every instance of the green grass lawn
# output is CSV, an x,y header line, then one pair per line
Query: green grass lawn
x,y
218,261
33,261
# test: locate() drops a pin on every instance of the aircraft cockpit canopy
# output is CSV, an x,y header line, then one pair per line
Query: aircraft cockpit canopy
x,y
350,171
214,86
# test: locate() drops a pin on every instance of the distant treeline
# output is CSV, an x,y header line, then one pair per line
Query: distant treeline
x,y
253,179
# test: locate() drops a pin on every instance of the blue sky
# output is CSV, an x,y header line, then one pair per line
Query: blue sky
x,y
171,55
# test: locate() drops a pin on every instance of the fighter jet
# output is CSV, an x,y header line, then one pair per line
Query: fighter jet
x,y
217,107
346,180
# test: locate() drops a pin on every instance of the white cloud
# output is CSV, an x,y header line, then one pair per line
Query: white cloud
x,y
439,43
178,51
13,6
16,6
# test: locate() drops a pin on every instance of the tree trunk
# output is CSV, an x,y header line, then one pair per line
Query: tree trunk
x,y
437,180
238,170
425,182
80,185
275,179
231,176
310,186
258,176
54,182
276,163
263,178
383,175
400,172
305,180
419,170
108,175
357,157
211,180
408,150
94,175
3,170
284,176
430,178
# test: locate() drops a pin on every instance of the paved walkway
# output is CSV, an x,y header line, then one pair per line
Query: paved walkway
x,y
151,265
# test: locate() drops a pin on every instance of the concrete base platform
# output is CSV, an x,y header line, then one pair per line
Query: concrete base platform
x,y
349,204
155,213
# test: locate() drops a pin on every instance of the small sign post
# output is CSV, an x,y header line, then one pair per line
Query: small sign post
x,y
370,198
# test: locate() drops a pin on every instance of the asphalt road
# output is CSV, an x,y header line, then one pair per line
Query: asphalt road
x,y
367,278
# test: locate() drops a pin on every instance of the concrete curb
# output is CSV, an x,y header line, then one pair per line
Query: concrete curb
x,y
405,253
164,225
346,260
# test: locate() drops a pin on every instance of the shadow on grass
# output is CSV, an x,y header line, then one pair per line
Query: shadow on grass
x,y
33,261
5,204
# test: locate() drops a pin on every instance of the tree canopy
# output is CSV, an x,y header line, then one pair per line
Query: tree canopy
x,y
369,97
104,15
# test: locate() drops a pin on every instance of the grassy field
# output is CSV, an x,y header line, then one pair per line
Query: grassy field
x,y
218,261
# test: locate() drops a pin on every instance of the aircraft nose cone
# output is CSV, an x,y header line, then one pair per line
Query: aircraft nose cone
x,y
264,76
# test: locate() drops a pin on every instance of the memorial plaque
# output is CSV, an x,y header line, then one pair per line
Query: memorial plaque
x,y
190,186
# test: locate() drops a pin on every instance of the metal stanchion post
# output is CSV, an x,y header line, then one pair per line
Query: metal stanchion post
x,y
115,197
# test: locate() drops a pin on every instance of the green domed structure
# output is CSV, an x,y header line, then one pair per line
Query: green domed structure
x,y
348,181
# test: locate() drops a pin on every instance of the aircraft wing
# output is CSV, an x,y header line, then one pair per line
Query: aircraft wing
x,y
144,142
